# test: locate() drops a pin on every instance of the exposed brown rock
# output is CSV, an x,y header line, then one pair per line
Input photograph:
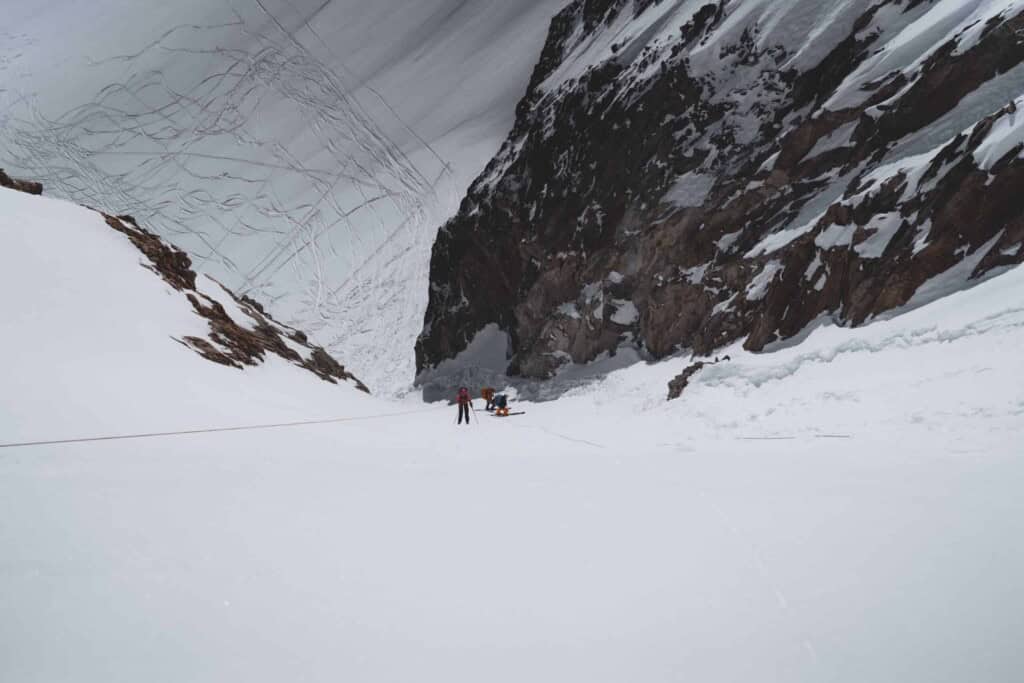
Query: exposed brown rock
x,y
171,263
682,380
27,186
230,342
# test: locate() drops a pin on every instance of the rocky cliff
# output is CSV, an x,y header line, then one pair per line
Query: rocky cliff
x,y
685,174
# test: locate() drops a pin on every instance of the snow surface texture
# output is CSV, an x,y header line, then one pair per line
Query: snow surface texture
x,y
847,509
301,151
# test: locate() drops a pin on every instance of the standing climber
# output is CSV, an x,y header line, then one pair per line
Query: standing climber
x,y
464,402
487,394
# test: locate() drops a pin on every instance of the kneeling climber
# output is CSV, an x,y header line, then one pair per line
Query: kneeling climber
x,y
501,405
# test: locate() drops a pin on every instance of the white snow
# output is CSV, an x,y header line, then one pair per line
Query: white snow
x,y
908,39
1007,135
758,287
627,33
607,536
989,97
724,305
808,217
725,242
883,228
690,189
954,279
91,338
835,236
838,138
695,275
776,240
976,25
814,266
626,312
569,310
923,232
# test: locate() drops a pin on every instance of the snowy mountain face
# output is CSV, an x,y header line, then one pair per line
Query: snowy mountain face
x,y
300,151
683,174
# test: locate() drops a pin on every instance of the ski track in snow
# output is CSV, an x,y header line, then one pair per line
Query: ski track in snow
x,y
286,151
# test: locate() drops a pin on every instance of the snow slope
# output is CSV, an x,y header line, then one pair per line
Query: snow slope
x,y
847,509
92,338
301,150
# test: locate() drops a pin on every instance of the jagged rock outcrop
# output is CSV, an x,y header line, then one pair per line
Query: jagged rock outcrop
x,y
677,385
682,177
238,339
28,186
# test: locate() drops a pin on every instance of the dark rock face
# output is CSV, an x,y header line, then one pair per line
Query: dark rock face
x,y
700,182
27,186
236,343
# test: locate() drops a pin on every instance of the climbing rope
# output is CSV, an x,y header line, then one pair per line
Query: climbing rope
x,y
793,438
212,430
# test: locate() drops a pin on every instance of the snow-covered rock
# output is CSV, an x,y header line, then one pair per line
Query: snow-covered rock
x,y
749,141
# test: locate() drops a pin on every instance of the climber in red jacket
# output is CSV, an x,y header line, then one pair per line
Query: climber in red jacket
x,y
465,403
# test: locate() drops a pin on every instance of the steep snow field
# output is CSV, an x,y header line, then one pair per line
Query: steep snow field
x,y
848,509
92,336
301,150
